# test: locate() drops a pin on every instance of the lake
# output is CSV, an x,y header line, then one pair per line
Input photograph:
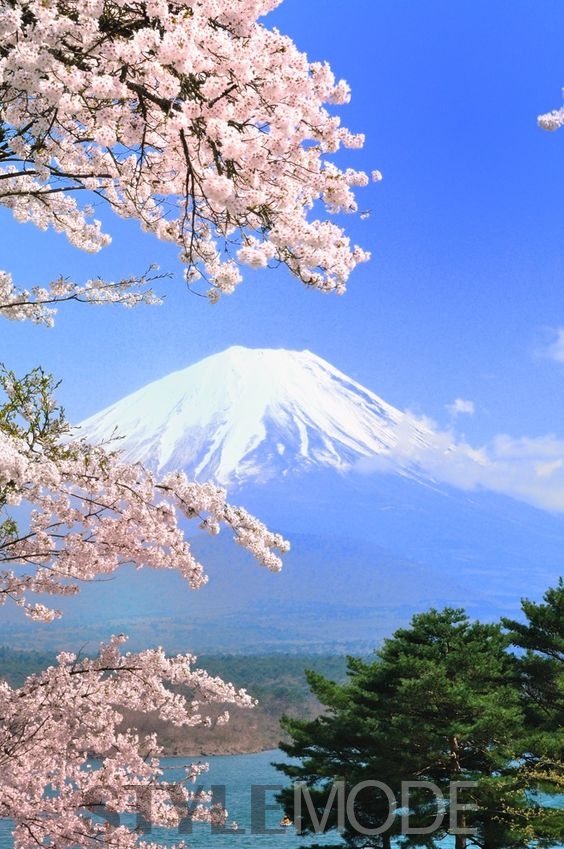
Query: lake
x,y
250,783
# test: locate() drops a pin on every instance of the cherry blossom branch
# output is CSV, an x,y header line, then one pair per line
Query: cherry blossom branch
x,y
38,304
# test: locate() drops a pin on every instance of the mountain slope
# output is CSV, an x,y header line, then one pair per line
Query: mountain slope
x,y
252,415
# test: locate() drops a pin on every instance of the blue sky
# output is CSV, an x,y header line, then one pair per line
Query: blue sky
x,y
463,297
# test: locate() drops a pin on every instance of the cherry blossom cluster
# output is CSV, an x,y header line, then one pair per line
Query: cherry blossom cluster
x,y
65,754
552,121
210,129
65,757
39,304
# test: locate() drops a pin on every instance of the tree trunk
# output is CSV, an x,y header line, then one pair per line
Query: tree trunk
x,y
459,839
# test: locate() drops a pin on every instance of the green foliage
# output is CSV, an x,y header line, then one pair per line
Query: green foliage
x,y
27,409
540,665
440,703
27,412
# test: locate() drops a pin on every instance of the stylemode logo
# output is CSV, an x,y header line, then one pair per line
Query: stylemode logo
x,y
340,808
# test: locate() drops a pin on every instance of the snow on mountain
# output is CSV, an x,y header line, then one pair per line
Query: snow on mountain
x,y
253,414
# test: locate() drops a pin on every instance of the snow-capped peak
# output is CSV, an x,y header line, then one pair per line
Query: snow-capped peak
x,y
253,414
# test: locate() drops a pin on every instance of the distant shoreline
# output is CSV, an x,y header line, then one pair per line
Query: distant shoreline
x,y
213,752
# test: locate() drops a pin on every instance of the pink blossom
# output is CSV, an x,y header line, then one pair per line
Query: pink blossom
x,y
194,119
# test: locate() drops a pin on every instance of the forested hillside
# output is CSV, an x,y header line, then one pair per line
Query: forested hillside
x,y
15,666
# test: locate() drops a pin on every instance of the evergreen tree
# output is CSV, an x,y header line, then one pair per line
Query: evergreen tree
x,y
540,663
439,704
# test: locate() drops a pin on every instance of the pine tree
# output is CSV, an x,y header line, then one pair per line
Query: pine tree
x,y
440,703
540,663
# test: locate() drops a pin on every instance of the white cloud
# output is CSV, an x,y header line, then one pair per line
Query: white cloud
x,y
461,405
546,470
554,350
531,469
526,468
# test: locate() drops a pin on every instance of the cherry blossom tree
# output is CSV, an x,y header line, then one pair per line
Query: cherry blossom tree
x,y
193,118
88,514
214,133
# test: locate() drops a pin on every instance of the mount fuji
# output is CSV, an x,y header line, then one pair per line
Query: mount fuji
x,y
249,416
361,490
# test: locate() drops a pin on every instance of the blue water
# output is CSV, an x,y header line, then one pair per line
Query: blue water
x,y
253,811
